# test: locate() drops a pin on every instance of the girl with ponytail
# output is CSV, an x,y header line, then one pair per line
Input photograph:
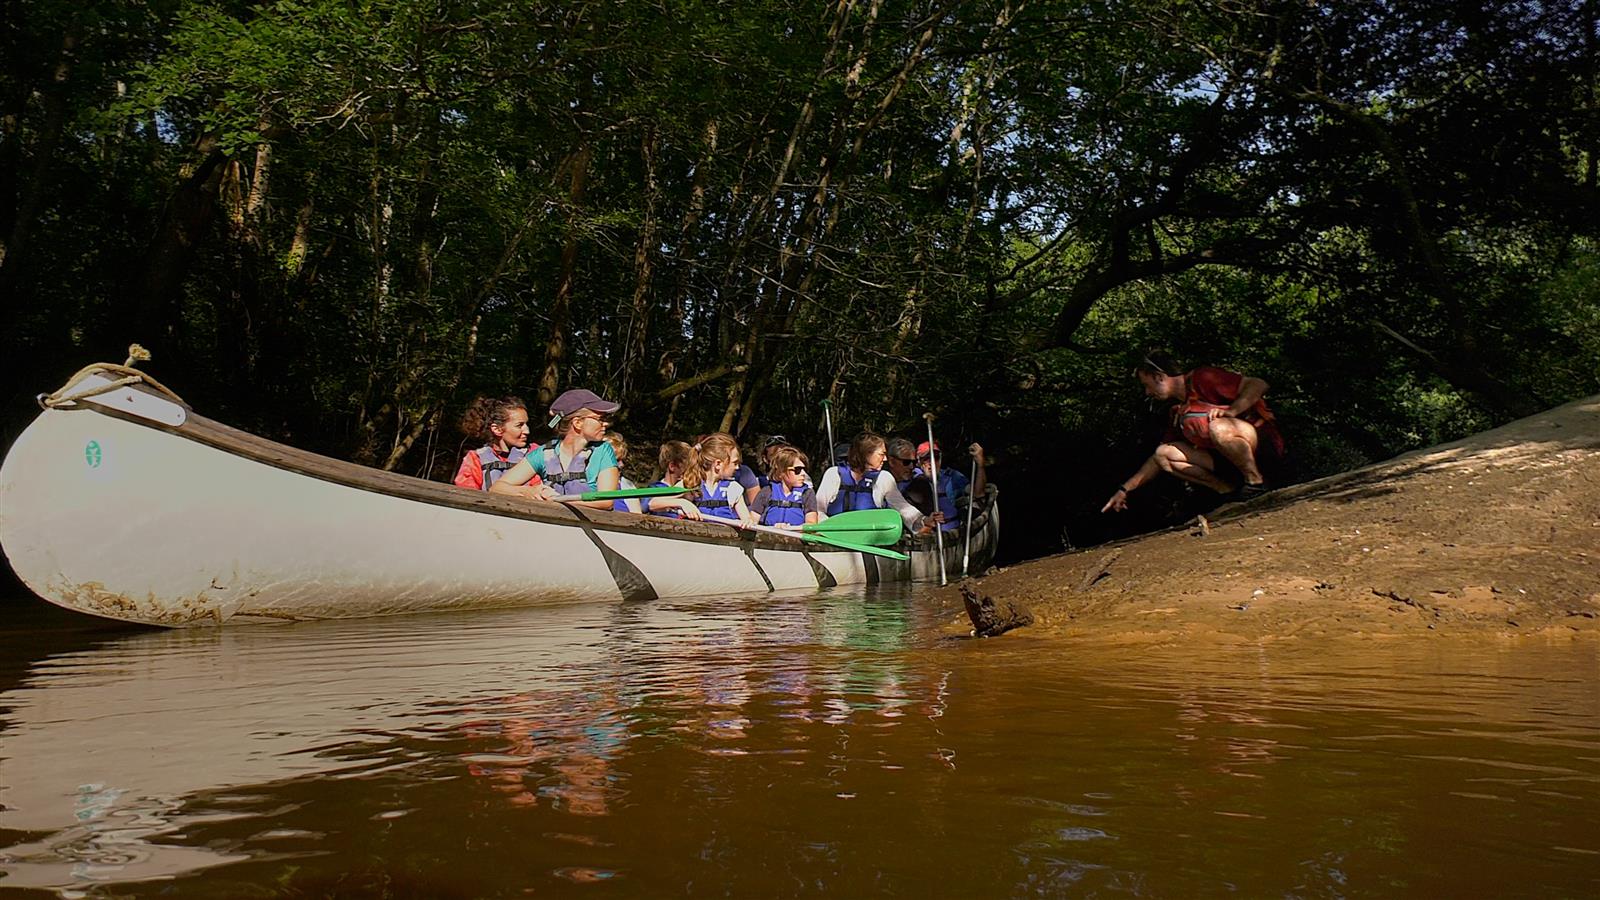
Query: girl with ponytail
x,y
711,472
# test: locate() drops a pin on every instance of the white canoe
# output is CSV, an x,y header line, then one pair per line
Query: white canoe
x,y
129,506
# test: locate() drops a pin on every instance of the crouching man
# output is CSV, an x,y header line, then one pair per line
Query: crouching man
x,y
1218,417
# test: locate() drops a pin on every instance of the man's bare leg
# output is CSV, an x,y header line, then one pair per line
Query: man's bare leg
x,y
1191,464
1236,440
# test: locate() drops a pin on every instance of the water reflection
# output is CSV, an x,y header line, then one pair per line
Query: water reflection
x,y
788,745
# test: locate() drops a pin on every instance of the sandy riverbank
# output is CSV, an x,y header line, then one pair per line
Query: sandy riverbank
x,y
1495,534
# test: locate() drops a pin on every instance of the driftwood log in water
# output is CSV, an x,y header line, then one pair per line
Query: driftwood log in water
x,y
989,618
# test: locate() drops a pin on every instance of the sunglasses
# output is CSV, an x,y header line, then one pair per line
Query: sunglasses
x,y
797,469
906,460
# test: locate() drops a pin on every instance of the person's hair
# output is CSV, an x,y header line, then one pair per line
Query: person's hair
x,y
485,412
675,453
861,448
619,444
901,448
771,451
715,447
1157,362
564,423
781,458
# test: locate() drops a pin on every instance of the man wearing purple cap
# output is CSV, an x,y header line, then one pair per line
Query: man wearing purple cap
x,y
578,460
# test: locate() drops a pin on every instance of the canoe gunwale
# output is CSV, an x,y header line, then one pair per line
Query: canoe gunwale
x,y
227,439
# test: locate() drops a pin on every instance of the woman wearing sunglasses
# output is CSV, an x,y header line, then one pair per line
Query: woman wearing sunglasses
x,y
578,460
786,501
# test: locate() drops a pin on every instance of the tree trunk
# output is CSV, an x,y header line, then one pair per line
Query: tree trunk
x,y
189,211
408,437
555,350
21,217
644,254
295,260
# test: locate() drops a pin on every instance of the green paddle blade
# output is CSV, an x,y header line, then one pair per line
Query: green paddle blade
x,y
879,527
832,541
634,492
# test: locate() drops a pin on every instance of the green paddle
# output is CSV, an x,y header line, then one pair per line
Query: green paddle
x,y
879,527
832,541
828,539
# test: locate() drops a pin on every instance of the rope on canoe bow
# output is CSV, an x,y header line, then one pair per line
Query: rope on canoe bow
x,y
136,354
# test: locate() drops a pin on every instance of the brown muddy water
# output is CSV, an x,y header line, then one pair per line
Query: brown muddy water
x,y
830,745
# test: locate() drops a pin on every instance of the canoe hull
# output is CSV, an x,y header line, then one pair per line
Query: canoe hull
x,y
127,519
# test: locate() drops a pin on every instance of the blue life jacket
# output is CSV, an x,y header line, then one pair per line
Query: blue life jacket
x,y
572,479
494,466
630,505
784,507
947,498
853,495
713,499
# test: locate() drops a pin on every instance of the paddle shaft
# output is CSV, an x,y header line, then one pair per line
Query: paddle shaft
x,y
634,493
933,476
827,420
972,514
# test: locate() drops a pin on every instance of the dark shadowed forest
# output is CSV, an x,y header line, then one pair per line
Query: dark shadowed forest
x,y
335,222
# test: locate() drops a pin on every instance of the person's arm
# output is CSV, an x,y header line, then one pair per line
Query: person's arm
x,y
686,508
1251,390
603,474
748,482
884,489
515,482
1119,499
736,502
606,479
808,503
758,506
470,475
827,490
981,483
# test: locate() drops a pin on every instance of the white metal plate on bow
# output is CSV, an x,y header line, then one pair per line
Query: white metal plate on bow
x,y
137,403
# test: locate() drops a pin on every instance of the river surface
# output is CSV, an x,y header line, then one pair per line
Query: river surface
x,y
834,745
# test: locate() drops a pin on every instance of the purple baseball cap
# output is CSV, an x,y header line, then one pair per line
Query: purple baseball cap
x,y
578,398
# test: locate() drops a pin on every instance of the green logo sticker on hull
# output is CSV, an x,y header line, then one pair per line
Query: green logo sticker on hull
x,y
92,454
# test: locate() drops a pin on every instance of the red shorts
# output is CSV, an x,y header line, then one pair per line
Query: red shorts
x,y
1194,422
